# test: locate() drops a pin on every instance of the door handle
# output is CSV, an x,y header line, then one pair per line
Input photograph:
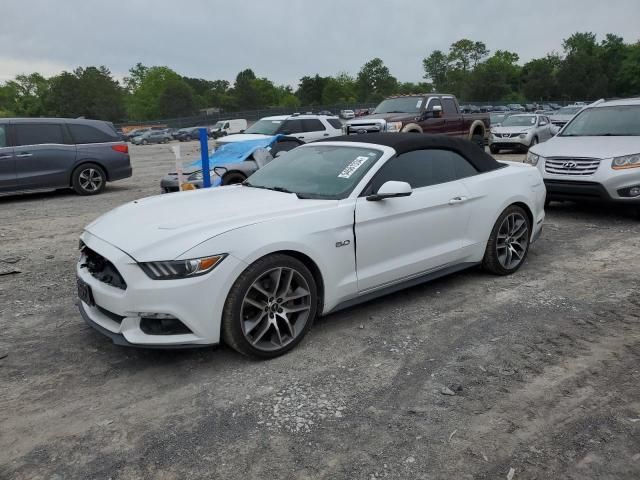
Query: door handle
x,y
456,200
24,155
301,138
326,135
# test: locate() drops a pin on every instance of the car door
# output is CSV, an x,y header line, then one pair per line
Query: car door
x,y
429,122
545,128
7,161
454,125
401,238
293,128
44,155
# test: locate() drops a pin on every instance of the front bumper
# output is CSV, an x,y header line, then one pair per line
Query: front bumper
x,y
605,185
512,142
196,302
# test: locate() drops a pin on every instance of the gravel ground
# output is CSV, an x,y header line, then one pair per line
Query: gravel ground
x,y
532,376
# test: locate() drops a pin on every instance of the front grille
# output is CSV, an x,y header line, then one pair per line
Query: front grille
x,y
116,318
572,166
371,127
102,269
507,135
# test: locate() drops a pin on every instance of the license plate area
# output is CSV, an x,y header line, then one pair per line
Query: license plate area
x,y
84,293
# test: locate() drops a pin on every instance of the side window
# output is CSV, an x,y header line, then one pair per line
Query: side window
x,y
226,125
292,126
312,125
422,168
89,134
433,102
335,123
38,133
3,136
449,106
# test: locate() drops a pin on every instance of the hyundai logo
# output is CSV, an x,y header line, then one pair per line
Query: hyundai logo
x,y
569,165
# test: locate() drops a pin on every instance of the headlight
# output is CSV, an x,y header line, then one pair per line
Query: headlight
x,y
176,269
628,161
195,176
394,126
532,159
523,135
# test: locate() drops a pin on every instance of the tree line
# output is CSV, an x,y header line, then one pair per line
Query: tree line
x,y
586,69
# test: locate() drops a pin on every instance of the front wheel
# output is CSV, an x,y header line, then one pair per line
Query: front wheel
x,y
508,244
270,307
494,149
233,179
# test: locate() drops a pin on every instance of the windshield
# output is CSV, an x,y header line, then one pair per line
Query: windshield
x,y
264,127
496,118
324,172
519,121
568,111
400,105
218,125
605,122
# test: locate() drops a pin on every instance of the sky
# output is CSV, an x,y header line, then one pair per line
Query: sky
x,y
284,40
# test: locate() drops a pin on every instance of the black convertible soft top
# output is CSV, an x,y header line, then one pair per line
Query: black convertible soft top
x,y
407,142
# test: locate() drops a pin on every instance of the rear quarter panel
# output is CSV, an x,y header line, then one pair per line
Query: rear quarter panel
x,y
117,165
492,192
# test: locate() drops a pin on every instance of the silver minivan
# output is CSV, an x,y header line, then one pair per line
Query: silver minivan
x,y
52,153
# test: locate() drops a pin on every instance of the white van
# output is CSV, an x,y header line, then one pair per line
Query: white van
x,y
228,127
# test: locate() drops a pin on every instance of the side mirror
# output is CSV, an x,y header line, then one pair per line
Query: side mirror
x,y
391,189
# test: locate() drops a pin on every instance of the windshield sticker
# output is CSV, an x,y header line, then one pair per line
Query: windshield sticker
x,y
419,104
352,167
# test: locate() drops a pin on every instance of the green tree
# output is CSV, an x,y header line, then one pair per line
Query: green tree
x,y
436,67
374,81
244,91
136,76
466,54
539,78
581,75
144,102
310,90
176,99
629,74
30,95
340,89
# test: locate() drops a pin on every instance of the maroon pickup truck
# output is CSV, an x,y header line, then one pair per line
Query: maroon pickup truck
x,y
423,113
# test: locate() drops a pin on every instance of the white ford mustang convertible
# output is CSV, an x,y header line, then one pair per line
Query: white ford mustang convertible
x,y
325,226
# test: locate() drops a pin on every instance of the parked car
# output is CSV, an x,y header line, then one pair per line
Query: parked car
x,y
303,127
515,107
500,108
229,172
50,153
596,156
486,108
347,114
152,136
529,107
561,117
496,118
429,113
272,254
228,127
131,134
188,134
520,132
555,106
325,112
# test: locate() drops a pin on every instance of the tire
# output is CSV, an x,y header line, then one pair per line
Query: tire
x,y
188,139
534,142
547,202
509,237
478,140
257,320
233,178
88,179
494,149
144,142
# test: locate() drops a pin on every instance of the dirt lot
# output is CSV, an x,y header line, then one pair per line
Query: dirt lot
x,y
545,367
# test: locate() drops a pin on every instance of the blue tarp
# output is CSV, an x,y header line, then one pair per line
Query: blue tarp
x,y
235,151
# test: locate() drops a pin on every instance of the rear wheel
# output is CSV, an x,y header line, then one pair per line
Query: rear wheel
x,y
270,307
88,179
508,244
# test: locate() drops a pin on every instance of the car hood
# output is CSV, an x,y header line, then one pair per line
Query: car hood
x,y
242,137
166,226
588,147
511,129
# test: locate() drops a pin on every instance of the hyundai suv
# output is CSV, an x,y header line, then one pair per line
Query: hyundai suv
x,y
596,156
51,153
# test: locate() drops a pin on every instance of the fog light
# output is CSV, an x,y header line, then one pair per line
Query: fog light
x,y
634,191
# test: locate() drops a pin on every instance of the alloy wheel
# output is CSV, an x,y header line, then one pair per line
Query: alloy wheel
x,y
275,309
90,179
512,240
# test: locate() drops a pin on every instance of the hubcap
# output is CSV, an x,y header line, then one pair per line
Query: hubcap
x,y
90,179
275,309
513,237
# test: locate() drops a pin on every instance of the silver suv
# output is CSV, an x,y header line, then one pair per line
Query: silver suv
x,y
596,156
50,153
